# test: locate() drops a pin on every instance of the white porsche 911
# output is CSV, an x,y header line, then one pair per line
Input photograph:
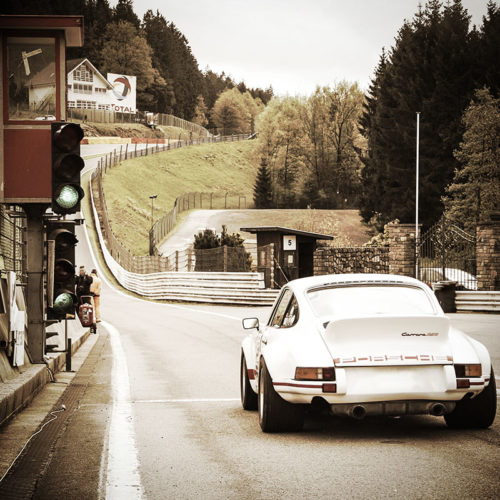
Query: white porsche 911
x,y
363,344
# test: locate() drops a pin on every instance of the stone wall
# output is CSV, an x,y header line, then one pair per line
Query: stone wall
x,y
488,253
402,249
332,260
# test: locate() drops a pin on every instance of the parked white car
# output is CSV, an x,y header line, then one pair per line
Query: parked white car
x,y
363,344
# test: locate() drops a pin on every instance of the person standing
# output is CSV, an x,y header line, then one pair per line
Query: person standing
x,y
83,282
95,291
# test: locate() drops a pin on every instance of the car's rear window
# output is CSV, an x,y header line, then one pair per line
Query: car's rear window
x,y
369,300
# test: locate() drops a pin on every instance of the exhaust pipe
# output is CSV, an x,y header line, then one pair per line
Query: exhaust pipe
x,y
437,409
358,412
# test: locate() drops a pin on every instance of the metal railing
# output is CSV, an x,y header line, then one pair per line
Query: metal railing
x,y
165,224
104,116
152,263
12,236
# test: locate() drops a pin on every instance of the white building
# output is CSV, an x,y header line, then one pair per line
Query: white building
x,y
87,88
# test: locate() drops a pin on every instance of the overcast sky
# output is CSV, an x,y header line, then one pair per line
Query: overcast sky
x,y
292,45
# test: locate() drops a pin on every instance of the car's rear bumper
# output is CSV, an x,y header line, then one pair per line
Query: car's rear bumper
x,y
387,383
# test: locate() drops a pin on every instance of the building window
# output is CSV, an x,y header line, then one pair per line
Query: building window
x,y
83,74
98,89
71,104
85,104
69,86
103,107
80,88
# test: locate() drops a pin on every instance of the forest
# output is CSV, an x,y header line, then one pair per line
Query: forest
x,y
117,41
342,146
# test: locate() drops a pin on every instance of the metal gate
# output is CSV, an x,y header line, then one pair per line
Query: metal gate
x,y
447,252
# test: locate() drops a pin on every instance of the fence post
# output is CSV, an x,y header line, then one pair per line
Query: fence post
x,y
225,258
177,260
211,197
189,259
126,151
135,152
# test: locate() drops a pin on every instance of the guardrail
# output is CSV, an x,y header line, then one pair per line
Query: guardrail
x,y
477,301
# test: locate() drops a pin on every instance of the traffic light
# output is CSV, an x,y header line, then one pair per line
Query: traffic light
x,y
66,166
61,241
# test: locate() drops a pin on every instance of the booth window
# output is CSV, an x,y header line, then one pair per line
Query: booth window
x,y
31,75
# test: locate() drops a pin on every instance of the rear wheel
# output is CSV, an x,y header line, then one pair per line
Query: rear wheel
x,y
477,413
276,414
248,396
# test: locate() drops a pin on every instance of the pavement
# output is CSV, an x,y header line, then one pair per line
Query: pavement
x,y
17,392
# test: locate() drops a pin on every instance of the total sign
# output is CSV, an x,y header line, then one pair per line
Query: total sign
x,y
123,95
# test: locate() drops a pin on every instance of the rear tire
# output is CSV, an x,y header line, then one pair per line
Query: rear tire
x,y
248,396
477,413
276,414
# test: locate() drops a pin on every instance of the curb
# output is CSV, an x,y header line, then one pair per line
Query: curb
x,y
17,393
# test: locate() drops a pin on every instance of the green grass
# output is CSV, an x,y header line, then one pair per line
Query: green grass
x,y
227,167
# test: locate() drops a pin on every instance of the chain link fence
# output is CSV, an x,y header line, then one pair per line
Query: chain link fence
x,y
12,238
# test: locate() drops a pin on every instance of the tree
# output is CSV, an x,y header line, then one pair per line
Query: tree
x,y
125,51
124,11
431,69
262,191
475,190
230,112
200,112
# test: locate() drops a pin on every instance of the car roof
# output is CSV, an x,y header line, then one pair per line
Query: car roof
x,y
303,284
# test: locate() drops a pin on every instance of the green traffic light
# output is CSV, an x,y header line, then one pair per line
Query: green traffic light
x,y
63,303
68,197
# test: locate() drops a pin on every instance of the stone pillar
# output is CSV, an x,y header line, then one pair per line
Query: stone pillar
x,y
488,253
402,249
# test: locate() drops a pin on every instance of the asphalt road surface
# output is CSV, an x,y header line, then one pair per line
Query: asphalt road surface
x,y
160,418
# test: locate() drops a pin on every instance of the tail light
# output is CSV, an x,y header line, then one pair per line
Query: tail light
x,y
302,373
462,371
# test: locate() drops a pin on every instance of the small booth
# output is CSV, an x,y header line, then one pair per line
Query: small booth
x,y
293,253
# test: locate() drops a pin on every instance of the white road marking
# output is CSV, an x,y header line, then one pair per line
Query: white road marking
x,y
194,400
122,476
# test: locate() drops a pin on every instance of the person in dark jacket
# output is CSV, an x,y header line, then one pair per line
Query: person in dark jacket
x,y
83,282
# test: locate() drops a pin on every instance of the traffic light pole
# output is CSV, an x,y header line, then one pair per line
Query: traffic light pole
x,y
34,270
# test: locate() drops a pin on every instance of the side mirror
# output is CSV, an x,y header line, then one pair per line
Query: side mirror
x,y
249,323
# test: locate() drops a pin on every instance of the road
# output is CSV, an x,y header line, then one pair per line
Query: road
x,y
158,416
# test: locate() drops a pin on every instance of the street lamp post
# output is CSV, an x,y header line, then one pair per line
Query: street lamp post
x,y
417,194
152,198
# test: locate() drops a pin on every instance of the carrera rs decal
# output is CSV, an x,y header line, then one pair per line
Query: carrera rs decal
x,y
428,358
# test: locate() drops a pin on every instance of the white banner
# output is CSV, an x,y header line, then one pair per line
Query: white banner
x,y
123,95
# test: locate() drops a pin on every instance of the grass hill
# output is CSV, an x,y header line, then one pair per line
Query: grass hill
x,y
226,167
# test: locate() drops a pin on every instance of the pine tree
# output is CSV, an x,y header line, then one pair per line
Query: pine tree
x,y
431,70
475,189
263,191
